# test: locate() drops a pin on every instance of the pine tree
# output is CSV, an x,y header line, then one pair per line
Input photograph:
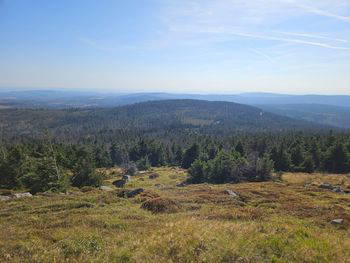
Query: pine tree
x,y
308,165
190,155
239,148
297,156
337,159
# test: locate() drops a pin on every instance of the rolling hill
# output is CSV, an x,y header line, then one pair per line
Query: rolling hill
x,y
154,117
323,114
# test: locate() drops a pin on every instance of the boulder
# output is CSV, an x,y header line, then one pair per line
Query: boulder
x,y
130,193
105,188
119,183
231,193
337,221
134,193
22,195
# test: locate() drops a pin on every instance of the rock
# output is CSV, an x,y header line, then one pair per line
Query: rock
x,y
130,193
134,193
231,193
4,198
326,186
337,221
106,188
153,176
119,183
182,184
158,186
126,178
22,195
337,189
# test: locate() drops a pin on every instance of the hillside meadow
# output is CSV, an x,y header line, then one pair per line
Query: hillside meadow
x,y
286,220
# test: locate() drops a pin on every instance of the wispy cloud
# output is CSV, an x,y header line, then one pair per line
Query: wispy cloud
x,y
263,54
259,20
320,12
237,32
307,35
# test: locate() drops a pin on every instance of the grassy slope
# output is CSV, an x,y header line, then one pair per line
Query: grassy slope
x,y
276,222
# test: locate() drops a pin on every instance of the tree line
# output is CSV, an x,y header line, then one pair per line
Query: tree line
x,y
41,165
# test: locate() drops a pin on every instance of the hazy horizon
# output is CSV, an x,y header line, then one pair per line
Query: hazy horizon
x,y
293,47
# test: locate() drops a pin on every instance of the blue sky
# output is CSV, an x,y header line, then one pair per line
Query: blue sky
x,y
202,46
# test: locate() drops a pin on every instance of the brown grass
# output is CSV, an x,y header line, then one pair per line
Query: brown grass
x,y
161,205
270,222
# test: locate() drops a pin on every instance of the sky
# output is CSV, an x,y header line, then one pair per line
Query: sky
x,y
197,46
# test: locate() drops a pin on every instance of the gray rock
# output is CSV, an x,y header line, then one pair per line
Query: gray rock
x,y
153,176
5,198
337,189
231,193
326,186
119,183
106,188
126,178
182,184
337,221
134,193
23,195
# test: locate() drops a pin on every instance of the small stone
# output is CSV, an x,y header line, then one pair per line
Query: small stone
x,y
22,195
126,178
337,189
4,198
326,186
182,184
153,176
106,188
231,193
337,221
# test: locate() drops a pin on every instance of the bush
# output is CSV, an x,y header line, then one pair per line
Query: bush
x,y
197,173
84,174
143,164
258,169
130,168
161,205
231,168
42,175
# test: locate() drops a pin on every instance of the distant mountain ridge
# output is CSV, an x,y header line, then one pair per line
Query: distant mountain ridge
x,y
61,98
323,109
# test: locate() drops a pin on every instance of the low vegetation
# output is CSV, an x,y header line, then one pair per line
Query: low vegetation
x,y
287,220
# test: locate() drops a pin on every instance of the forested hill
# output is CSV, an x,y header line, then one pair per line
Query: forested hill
x,y
167,116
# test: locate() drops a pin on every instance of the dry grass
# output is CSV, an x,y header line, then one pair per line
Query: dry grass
x,y
270,222
161,205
